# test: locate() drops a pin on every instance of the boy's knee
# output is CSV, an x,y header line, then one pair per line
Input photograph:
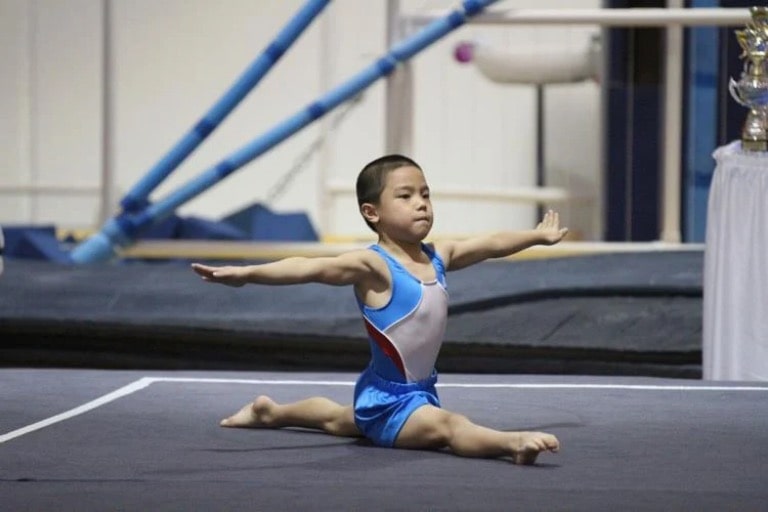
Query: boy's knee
x,y
430,427
456,421
341,423
442,431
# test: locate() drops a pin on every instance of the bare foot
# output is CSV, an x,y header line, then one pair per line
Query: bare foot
x,y
528,445
253,415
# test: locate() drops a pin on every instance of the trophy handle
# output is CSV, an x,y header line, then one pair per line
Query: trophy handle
x,y
733,89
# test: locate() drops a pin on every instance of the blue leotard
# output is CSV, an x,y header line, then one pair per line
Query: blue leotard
x,y
405,338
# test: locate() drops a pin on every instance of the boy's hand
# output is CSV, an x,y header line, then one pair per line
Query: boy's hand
x,y
230,276
549,228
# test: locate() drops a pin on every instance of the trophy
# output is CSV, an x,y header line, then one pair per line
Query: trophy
x,y
751,90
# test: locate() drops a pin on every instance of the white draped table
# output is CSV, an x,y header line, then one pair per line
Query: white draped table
x,y
735,344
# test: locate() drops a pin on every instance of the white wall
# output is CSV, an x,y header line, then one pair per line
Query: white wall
x,y
50,61
171,59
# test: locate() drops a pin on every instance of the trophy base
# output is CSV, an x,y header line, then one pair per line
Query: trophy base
x,y
754,145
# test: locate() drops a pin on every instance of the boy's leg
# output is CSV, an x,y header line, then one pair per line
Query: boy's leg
x,y
317,412
430,427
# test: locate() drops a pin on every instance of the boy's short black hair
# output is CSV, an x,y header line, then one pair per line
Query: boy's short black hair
x,y
371,180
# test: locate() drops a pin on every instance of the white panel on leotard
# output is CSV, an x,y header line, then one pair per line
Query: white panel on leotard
x,y
419,335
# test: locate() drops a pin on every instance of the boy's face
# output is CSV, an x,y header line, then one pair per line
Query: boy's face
x,y
404,210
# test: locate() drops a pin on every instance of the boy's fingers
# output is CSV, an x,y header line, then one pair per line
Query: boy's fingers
x,y
204,271
551,218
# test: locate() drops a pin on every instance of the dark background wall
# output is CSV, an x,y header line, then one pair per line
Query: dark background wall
x,y
633,124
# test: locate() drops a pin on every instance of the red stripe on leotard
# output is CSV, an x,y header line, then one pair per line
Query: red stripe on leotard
x,y
385,345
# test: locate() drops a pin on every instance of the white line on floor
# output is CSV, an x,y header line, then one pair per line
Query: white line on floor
x,y
146,381
640,387
109,397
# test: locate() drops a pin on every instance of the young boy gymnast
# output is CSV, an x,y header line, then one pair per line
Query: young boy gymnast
x,y
399,284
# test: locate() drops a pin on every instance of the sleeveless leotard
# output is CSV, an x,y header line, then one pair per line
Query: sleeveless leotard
x,y
405,338
405,335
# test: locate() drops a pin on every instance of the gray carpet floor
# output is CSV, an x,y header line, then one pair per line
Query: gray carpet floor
x,y
627,444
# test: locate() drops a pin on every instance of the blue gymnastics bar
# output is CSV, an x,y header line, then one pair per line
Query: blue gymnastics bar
x,y
123,229
136,198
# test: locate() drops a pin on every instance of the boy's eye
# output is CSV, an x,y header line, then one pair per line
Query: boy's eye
x,y
404,196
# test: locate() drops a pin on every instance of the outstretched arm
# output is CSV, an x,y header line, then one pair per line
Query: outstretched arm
x,y
345,269
463,253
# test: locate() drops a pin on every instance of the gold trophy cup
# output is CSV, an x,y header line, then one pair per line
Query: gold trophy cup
x,y
751,90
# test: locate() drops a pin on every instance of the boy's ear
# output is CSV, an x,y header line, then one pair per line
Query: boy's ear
x,y
369,212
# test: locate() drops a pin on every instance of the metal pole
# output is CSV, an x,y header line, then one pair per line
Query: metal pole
x,y
673,104
540,147
630,17
398,111
107,169
327,73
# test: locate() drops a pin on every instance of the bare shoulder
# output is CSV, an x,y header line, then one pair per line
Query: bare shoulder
x,y
444,249
375,287
365,263
347,268
362,257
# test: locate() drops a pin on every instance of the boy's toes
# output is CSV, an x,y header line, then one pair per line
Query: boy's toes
x,y
550,443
